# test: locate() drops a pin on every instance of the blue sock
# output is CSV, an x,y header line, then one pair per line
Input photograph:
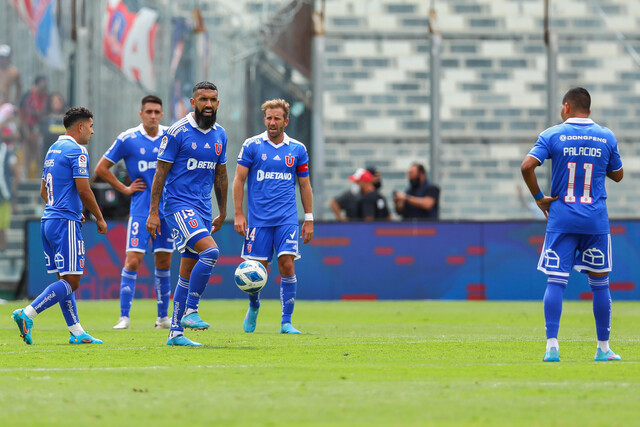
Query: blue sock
x,y
553,304
127,290
601,305
54,293
163,291
70,309
288,288
200,276
179,298
254,300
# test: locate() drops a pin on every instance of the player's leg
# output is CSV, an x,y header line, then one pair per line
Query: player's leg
x,y
207,258
176,334
594,257
70,313
258,246
163,250
286,245
56,236
556,261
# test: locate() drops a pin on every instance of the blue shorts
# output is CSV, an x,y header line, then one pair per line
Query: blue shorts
x,y
583,252
63,246
138,236
260,242
186,224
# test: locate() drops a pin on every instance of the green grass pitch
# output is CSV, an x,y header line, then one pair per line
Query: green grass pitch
x,y
422,363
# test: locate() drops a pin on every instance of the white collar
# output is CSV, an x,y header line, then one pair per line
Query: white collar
x,y
192,122
579,121
144,132
265,137
69,137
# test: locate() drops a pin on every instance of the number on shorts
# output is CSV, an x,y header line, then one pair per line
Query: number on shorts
x,y
251,234
134,227
586,191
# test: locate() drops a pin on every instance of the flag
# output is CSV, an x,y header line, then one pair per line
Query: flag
x,y
128,42
39,17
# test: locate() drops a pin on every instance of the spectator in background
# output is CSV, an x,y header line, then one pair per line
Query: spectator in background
x,y
9,131
347,201
51,125
8,188
10,84
421,200
371,205
33,108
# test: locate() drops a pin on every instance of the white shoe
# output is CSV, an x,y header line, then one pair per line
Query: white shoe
x,y
163,323
123,323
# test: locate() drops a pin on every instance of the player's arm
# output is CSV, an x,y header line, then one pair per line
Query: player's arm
x,y
306,195
528,169
616,175
159,178
239,221
89,201
220,187
425,202
103,170
43,192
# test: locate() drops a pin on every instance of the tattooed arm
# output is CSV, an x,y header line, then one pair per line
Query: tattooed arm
x,y
220,187
153,222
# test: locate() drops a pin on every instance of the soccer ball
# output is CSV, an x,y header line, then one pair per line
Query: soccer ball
x,y
250,276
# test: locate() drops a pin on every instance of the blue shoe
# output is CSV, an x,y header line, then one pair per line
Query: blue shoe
x,y
606,356
84,338
193,321
551,355
250,320
287,328
183,341
24,324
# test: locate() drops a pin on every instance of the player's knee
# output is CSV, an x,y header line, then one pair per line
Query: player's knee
x,y
132,262
73,280
163,262
210,256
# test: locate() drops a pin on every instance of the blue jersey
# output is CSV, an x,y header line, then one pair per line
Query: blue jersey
x,y
194,153
66,160
271,181
582,152
140,154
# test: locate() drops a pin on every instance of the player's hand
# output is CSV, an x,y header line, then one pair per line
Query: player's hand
x,y
82,218
102,226
137,185
153,225
216,224
240,224
544,204
307,232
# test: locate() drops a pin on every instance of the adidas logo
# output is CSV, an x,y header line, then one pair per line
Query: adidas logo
x,y
277,157
155,149
207,145
290,301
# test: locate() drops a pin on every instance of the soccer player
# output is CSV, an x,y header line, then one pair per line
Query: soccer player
x,y
270,163
65,189
139,147
582,154
191,161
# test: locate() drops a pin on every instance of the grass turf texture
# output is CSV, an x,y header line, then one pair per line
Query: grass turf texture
x,y
357,363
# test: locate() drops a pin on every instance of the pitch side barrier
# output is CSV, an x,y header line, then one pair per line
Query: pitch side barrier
x,y
369,261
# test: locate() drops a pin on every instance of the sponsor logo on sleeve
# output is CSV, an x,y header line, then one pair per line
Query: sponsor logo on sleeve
x,y
82,161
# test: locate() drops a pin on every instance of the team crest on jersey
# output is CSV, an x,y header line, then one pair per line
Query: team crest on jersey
x,y
134,242
264,156
249,245
218,149
82,161
289,160
142,150
193,223
194,145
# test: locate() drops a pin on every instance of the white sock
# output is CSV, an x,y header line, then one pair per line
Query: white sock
x,y
553,342
30,312
603,345
76,329
174,334
189,311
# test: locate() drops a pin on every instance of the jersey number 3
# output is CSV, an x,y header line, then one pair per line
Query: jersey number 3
x,y
586,191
